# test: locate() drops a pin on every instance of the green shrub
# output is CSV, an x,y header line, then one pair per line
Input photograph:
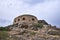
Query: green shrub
x,y
4,29
38,25
42,22
33,33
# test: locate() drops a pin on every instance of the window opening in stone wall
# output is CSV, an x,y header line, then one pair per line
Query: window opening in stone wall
x,y
33,19
18,19
23,18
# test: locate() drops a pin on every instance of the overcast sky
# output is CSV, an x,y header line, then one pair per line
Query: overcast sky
x,y
49,10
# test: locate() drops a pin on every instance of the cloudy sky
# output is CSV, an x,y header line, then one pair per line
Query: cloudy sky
x,y
48,10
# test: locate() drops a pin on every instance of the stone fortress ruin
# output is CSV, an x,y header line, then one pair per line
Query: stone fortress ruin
x,y
27,20
28,27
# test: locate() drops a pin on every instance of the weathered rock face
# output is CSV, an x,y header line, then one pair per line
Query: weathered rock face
x,y
26,37
33,34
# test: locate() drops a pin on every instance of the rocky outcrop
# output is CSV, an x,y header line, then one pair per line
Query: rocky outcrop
x,y
44,33
32,35
42,22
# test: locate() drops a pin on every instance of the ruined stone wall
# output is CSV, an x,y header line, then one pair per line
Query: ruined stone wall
x,y
29,19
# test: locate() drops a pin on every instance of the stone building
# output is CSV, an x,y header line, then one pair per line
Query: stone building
x,y
26,19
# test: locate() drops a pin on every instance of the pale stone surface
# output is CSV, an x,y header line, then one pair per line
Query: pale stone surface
x,y
25,19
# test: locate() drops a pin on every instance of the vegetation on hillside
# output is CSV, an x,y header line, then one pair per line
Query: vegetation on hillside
x,y
6,28
43,22
3,35
38,25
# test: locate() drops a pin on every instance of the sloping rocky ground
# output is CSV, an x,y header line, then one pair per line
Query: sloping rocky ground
x,y
44,33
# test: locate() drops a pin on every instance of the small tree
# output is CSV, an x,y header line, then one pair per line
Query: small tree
x,y
38,25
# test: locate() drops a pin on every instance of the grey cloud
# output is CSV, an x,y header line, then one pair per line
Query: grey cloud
x,y
33,1
3,22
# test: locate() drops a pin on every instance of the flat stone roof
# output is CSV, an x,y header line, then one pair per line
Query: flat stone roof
x,y
26,15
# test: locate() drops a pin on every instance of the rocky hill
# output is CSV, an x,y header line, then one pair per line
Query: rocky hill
x,y
40,31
